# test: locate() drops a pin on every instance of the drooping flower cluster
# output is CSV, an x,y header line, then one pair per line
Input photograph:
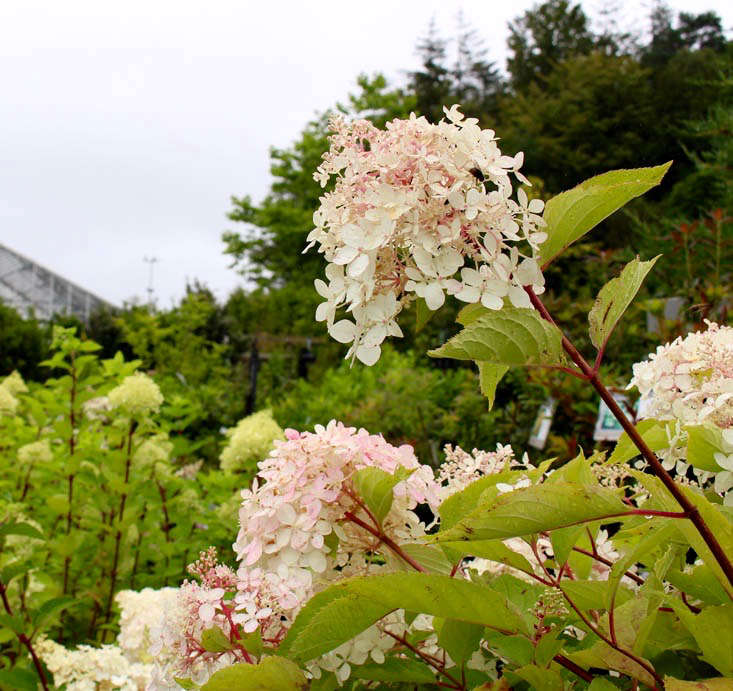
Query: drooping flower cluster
x,y
140,614
250,441
14,383
412,205
138,395
690,379
8,402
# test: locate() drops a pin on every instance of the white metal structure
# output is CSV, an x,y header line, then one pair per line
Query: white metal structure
x,y
28,286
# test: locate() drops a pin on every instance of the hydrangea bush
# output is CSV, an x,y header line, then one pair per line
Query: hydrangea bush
x,y
357,566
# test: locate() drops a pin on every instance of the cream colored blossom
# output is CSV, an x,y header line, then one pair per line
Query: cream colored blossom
x,y
35,452
138,394
412,205
14,383
8,402
250,441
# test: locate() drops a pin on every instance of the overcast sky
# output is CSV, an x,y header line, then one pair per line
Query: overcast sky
x,y
125,127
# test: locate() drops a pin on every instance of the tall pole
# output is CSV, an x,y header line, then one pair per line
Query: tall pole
x,y
151,261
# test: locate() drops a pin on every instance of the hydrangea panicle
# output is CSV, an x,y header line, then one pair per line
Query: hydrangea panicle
x,y
413,205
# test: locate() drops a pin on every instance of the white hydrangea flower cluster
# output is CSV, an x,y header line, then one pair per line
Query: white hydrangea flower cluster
x,y
14,383
250,441
138,394
412,205
140,614
126,665
8,402
460,468
690,379
92,669
35,452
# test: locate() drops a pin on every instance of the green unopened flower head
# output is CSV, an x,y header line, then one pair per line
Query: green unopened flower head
x,y
250,441
35,452
14,383
138,395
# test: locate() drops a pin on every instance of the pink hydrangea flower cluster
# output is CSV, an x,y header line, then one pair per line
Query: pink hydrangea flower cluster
x,y
412,205
295,538
690,379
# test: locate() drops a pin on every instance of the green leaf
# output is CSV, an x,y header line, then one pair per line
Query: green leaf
x,y
344,610
49,609
602,684
539,678
547,647
590,594
703,443
511,337
494,550
711,629
423,314
614,298
701,583
719,684
186,684
563,540
431,558
653,432
375,486
572,214
517,649
19,679
215,640
460,639
535,509
393,669
272,674
18,528
489,377
15,624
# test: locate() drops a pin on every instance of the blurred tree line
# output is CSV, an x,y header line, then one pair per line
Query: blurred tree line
x,y
579,98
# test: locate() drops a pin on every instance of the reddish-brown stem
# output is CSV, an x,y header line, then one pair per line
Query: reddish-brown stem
x,y
385,539
637,579
24,640
659,685
426,658
690,510
691,607
120,516
575,669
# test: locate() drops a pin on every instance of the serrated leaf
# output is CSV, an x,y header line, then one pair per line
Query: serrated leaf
x,y
701,583
395,670
460,639
653,432
49,609
535,509
494,550
271,674
602,684
573,213
703,442
489,376
512,337
539,678
19,679
709,628
590,594
375,486
20,528
344,610
215,640
718,684
614,298
431,558
423,314
563,540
